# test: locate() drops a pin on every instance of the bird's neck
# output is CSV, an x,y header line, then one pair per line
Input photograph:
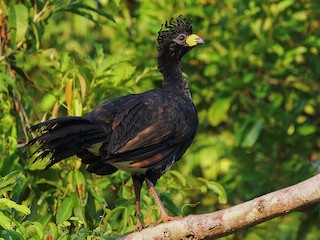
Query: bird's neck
x,y
171,70
172,76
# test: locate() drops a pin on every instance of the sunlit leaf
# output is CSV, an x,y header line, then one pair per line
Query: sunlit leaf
x,y
69,95
216,188
7,182
47,102
282,5
83,85
5,222
9,204
34,230
77,107
306,129
218,112
18,20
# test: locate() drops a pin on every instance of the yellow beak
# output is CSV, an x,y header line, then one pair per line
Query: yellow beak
x,y
194,40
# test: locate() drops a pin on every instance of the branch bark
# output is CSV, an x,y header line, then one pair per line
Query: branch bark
x,y
236,218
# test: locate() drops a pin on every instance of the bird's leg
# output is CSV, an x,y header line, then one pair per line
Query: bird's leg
x,y
164,216
137,184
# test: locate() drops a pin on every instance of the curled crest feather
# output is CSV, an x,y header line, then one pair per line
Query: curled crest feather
x,y
172,27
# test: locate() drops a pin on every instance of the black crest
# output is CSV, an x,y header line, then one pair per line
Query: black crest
x,y
172,27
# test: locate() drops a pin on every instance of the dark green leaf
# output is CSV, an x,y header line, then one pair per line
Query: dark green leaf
x,y
64,211
76,6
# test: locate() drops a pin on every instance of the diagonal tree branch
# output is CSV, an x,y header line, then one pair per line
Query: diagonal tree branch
x,y
236,218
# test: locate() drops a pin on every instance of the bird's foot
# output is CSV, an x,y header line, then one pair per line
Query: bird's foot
x,y
140,223
164,219
139,227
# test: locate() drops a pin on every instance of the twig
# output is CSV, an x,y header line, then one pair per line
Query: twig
x,y
19,108
37,16
19,45
236,218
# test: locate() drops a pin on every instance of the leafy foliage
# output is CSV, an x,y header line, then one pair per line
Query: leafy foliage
x,y
255,84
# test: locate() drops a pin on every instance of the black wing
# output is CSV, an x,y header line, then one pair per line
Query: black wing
x,y
140,130
146,129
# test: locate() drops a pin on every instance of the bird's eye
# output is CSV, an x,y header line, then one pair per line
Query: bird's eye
x,y
182,37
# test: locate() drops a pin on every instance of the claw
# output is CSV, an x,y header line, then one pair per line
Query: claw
x,y
140,223
139,227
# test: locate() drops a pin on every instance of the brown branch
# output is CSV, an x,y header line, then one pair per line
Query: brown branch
x,y
236,218
19,108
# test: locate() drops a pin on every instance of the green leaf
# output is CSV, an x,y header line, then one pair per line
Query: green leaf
x,y
300,15
3,87
97,196
77,107
47,102
256,27
80,183
37,36
5,222
9,204
34,231
249,77
122,71
14,235
18,22
306,130
282,5
253,134
218,112
7,183
45,219
115,214
51,230
125,192
80,215
64,211
178,175
191,205
216,188
6,81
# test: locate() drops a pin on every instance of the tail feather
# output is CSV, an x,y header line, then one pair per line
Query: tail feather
x,y
57,123
64,137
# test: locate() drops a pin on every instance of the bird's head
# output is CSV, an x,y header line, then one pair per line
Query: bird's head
x,y
176,38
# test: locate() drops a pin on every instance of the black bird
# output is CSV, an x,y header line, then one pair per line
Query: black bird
x,y
143,134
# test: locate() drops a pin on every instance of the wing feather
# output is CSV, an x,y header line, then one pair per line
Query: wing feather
x,y
141,122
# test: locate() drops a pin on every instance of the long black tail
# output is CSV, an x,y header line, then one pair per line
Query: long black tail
x,y
64,137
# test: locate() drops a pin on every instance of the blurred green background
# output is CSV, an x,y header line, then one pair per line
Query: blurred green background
x,y
255,83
